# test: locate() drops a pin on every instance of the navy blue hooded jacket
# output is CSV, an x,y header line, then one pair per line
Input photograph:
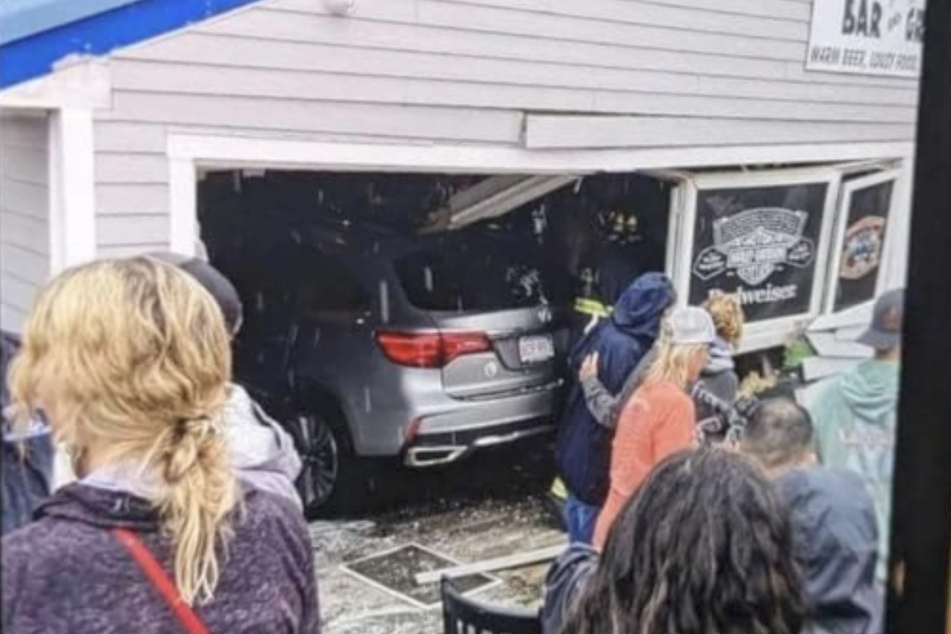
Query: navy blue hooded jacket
x,y
836,544
583,451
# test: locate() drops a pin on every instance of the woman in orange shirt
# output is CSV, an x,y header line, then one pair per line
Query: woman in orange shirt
x,y
660,418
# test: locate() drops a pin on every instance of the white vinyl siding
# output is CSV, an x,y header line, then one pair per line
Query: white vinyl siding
x,y
542,74
24,215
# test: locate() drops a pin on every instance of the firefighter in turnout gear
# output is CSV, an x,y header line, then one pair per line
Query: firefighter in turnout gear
x,y
602,262
605,265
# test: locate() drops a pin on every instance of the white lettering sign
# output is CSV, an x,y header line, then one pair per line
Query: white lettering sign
x,y
868,37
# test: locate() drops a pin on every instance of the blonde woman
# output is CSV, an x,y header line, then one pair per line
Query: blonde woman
x,y
130,360
660,418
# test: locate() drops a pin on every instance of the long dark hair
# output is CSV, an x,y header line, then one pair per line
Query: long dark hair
x,y
703,547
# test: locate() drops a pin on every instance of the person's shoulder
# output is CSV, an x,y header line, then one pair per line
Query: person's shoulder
x,y
565,582
823,488
569,569
848,484
270,507
47,544
266,512
669,392
724,383
818,396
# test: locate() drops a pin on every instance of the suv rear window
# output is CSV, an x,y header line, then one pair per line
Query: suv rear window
x,y
462,278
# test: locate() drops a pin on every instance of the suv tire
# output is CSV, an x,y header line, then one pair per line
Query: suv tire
x,y
328,466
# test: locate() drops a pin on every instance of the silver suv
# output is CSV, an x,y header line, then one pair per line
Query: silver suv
x,y
368,344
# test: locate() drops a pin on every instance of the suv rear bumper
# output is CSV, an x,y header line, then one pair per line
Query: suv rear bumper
x,y
430,450
452,435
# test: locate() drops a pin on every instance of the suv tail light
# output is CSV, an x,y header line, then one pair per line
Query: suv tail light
x,y
430,349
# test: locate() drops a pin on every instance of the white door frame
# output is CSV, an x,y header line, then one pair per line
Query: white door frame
x,y
72,183
845,202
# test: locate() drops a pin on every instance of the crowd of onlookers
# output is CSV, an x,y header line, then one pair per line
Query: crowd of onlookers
x,y
686,515
169,505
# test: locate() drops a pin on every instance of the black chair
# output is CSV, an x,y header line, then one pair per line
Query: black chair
x,y
466,616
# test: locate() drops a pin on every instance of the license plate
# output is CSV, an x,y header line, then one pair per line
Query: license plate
x,y
536,349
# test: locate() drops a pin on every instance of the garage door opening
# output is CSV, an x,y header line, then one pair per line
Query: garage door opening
x,y
422,316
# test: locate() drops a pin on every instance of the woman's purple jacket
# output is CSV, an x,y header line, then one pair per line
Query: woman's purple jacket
x,y
66,574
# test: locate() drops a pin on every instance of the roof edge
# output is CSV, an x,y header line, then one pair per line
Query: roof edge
x,y
18,22
126,23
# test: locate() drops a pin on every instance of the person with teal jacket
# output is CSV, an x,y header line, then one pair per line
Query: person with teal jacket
x,y
855,414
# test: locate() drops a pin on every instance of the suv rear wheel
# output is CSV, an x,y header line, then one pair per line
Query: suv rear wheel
x,y
333,478
319,450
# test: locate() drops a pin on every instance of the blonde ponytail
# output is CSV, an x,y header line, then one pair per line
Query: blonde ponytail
x,y
199,495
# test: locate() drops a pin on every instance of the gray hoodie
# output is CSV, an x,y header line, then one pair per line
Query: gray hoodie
x,y
719,380
260,450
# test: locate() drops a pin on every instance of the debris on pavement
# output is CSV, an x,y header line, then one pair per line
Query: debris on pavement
x,y
476,531
395,571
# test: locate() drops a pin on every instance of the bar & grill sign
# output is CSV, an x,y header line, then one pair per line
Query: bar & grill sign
x,y
868,37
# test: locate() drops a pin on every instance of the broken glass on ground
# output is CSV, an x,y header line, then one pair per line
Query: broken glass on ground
x,y
395,572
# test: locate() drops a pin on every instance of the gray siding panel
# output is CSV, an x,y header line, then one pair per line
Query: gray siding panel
x,y
24,216
11,318
458,124
23,229
574,29
125,169
131,249
278,84
788,9
22,197
22,164
131,199
220,53
24,263
368,34
652,14
133,230
132,138
557,132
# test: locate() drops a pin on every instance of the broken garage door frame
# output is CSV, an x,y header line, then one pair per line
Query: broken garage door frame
x,y
189,152
494,197
548,170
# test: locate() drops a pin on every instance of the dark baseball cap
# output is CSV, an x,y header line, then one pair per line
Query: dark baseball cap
x,y
887,318
219,286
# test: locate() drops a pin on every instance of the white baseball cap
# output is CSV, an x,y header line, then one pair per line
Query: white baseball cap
x,y
691,325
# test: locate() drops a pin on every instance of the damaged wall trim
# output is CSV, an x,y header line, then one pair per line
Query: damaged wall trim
x,y
494,197
236,151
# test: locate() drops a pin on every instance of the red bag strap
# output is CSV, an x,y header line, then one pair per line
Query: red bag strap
x,y
160,580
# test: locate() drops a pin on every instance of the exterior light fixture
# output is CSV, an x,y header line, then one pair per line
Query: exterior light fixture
x,y
340,7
